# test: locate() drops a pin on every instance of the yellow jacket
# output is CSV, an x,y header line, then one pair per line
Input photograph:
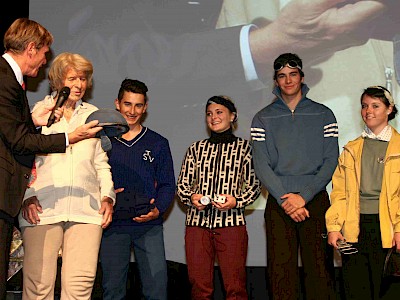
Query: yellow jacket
x,y
344,212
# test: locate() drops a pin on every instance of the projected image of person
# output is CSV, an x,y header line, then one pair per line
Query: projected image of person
x,y
141,164
295,151
216,182
71,198
365,210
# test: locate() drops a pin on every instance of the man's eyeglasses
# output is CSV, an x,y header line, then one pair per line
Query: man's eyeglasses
x,y
290,63
346,248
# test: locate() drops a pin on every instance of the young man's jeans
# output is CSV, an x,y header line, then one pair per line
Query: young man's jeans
x,y
148,247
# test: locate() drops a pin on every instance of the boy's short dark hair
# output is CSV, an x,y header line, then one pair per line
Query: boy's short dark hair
x,y
285,58
134,86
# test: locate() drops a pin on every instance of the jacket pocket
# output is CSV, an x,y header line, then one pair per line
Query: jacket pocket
x,y
7,165
392,180
348,165
394,209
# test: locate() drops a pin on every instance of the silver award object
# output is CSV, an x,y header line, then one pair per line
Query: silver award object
x,y
205,200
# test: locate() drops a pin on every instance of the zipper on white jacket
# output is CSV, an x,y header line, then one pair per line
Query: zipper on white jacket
x,y
71,179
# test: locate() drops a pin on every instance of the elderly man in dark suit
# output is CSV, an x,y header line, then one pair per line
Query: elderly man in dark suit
x,y
26,44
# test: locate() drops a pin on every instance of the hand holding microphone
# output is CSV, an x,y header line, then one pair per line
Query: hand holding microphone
x,y
62,96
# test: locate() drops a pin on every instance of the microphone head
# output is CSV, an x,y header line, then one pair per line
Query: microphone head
x,y
63,95
65,91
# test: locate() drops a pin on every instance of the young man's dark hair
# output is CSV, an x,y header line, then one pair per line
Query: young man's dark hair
x,y
288,59
133,86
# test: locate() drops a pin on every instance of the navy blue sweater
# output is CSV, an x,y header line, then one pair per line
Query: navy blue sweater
x,y
144,168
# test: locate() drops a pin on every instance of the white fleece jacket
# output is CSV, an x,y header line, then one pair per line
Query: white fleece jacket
x,y
70,185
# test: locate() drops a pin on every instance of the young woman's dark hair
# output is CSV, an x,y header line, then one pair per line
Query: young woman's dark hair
x,y
381,93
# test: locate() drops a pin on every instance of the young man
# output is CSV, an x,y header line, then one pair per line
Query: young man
x,y
295,152
142,165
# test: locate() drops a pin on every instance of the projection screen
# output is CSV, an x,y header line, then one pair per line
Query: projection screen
x,y
188,51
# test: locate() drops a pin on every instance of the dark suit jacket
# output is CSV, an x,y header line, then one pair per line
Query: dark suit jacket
x,y
19,141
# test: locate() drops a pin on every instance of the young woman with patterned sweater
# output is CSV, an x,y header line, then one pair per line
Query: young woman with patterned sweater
x,y
216,182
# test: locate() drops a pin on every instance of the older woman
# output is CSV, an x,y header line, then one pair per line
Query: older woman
x,y
70,200
365,211
216,182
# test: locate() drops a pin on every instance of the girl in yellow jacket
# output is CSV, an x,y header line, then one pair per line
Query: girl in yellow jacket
x,y
364,208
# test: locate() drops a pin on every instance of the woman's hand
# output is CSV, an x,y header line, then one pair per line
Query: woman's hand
x,y
106,209
195,198
30,210
333,238
230,202
396,241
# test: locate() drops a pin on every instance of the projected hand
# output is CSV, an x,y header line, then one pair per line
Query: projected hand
x,y
304,25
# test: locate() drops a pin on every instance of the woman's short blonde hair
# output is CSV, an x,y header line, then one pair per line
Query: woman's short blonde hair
x,y
65,62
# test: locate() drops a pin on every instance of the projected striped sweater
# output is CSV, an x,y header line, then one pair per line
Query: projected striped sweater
x,y
295,152
218,168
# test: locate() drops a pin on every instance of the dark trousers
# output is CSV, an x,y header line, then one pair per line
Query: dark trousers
x,y
148,247
6,229
284,240
362,272
229,246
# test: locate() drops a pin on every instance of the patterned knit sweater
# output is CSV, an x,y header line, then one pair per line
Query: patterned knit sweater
x,y
214,167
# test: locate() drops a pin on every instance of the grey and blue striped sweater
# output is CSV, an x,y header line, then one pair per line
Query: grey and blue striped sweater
x,y
295,151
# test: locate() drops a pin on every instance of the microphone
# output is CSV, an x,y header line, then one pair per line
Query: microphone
x,y
62,96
